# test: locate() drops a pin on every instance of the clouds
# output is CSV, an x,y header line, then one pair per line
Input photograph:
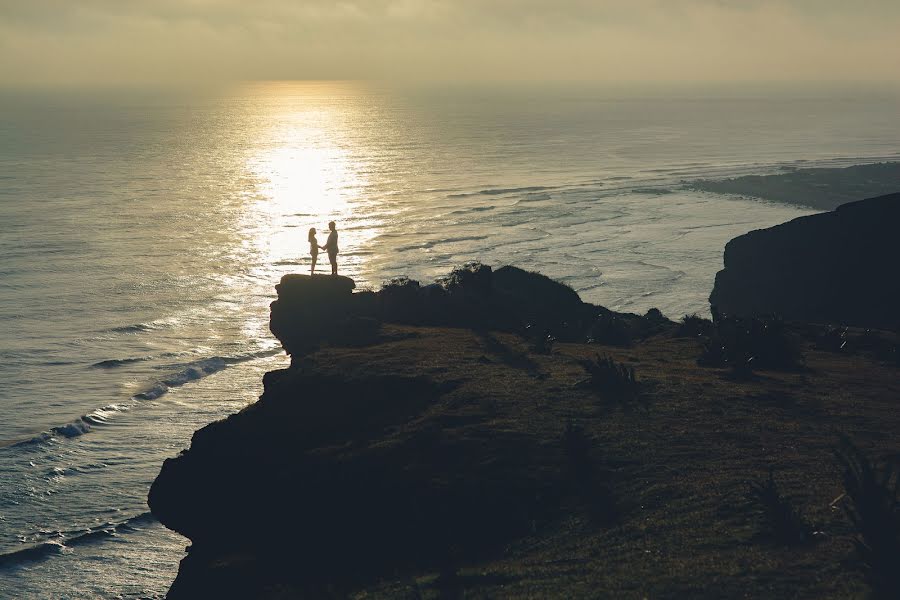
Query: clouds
x,y
46,41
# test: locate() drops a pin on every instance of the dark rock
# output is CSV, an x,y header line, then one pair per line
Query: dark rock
x,y
309,307
837,267
312,310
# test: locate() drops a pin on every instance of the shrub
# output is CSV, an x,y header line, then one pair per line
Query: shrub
x,y
401,301
541,340
610,330
400,283
781,521
747,344
589,479
611,377
471,277
693,325
576,446
832,339
875,513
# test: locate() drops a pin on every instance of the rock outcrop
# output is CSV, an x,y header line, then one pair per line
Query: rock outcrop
x,y
313,310
309,309
837,267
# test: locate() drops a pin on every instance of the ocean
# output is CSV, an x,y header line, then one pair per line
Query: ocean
x,y
142,233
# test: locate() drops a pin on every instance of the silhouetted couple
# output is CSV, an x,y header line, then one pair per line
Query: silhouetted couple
x,y
331,246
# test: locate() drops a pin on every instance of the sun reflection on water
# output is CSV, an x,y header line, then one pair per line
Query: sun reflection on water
x,y
308,168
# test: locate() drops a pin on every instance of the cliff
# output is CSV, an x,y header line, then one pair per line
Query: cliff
x,y
464,440
837,267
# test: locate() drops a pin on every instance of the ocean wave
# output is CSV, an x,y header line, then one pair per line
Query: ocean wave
x,y
31,553
63,541
472,209
76,428
145,327
198,369
500,191
534,198
189,372
119,362
652,191
432,243
136,328
73,429
185,373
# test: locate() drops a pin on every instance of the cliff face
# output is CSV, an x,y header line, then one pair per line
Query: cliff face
x,y
836,267
400,456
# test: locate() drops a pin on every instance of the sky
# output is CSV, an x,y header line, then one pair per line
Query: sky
x,y
70,42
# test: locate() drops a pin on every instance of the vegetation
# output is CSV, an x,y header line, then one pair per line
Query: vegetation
x,y
541,340
745,345
471,277
609,329
694,325
782,522
399,283
874,510
612,378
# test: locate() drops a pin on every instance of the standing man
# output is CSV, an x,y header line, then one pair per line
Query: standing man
x,y
331,246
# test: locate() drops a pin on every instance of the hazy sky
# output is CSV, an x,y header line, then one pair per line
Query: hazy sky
x,y
131,41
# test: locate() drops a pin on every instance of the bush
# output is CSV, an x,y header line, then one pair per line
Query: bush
x,y
833,339
611,377
781,521
875,513
747,344
541,340
693,325
589,479
471,277
610,330
576,446
403,282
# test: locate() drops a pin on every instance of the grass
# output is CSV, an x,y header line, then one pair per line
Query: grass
x,y
675,474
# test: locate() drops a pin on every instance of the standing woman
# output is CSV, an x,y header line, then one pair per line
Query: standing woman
x,y
313,249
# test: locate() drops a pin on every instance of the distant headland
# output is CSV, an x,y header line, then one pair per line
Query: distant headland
x,y
819,188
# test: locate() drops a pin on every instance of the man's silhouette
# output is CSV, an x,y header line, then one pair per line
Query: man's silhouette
x,y
331,246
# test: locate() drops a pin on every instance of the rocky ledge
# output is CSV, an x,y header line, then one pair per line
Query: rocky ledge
x,y
492,435
838,267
